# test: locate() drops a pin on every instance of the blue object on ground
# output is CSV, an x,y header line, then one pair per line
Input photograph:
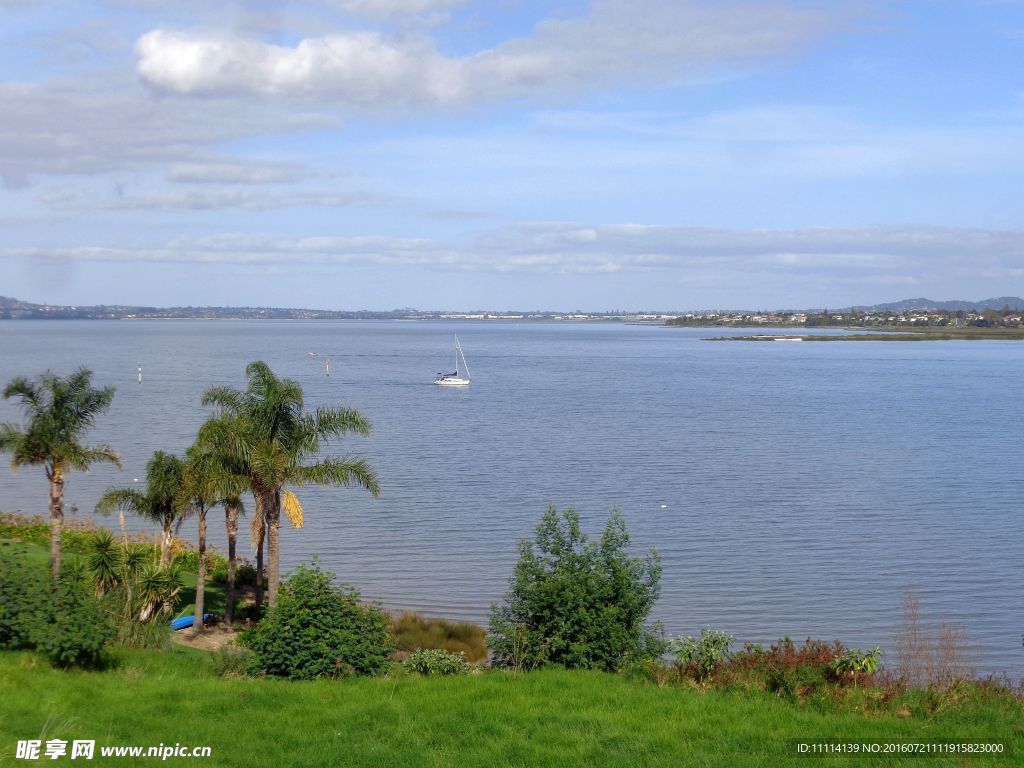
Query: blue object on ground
x,y
187,621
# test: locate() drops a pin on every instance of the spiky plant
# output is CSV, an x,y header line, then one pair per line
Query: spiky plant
x,y
158,586
104,558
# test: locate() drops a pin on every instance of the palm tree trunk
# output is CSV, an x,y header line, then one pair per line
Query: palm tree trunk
x,y
231,523
56,519
165,547
197,623
273,548
261,517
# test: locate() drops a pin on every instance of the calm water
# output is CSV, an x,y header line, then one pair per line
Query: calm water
x,y
791,488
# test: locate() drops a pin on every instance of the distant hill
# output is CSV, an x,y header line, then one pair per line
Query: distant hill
x,y
1013,302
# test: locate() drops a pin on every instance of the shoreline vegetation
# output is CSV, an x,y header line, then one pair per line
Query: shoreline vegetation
x,y
708,705
891,334
569,670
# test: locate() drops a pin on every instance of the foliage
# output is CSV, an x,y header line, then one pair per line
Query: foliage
x,y
431,661
318,629
104,559
574,602
704,654
413,632
23,594
245,572
158,586
78,536
857,662
72,629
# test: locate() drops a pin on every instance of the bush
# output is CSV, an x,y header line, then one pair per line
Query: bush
x,y
23,594
573,602
73,630
245,572
701,656
318,629
436,662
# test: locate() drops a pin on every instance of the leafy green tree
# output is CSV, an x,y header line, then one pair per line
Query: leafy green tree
x,y
277,439
60,410
319,629
575,602
158,503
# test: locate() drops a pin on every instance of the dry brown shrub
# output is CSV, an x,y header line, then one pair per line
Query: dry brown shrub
x,y
927,659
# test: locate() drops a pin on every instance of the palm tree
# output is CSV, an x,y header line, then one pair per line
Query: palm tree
x,y
212,478
60,411
274,439
158,503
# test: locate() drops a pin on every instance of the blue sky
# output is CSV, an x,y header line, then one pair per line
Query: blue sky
x,y
626,154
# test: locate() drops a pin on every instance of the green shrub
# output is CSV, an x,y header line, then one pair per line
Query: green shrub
x,y
703,655
857,662
245,572
574,602
318,629
430,661
73,629
23,594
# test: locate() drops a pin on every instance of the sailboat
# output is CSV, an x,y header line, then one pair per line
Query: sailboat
x,y
454,379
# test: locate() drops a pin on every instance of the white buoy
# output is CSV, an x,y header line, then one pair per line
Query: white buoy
x,y
328,366
140,373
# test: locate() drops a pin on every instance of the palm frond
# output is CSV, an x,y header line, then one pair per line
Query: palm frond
x,y
335,422
227,399
31,393
82,457
125,500
347,472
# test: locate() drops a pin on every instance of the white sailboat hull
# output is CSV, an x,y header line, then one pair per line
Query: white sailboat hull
x,y
453,379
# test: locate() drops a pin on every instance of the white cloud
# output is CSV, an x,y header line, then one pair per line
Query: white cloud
x,y
619,42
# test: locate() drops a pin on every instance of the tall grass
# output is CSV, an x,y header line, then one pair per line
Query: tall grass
x,y
414,632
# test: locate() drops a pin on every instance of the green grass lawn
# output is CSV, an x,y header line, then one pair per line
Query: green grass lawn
x,y
547,718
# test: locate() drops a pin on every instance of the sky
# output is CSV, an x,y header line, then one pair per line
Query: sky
x,y
460,154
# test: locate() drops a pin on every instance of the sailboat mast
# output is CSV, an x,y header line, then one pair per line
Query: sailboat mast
x,y
463,354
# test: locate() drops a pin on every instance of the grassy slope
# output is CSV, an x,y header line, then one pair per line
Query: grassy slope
x,y
553,718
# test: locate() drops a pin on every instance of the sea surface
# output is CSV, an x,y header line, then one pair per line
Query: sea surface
x,y
791,489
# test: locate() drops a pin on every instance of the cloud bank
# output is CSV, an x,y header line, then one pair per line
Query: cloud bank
x,y
618,43
885,254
